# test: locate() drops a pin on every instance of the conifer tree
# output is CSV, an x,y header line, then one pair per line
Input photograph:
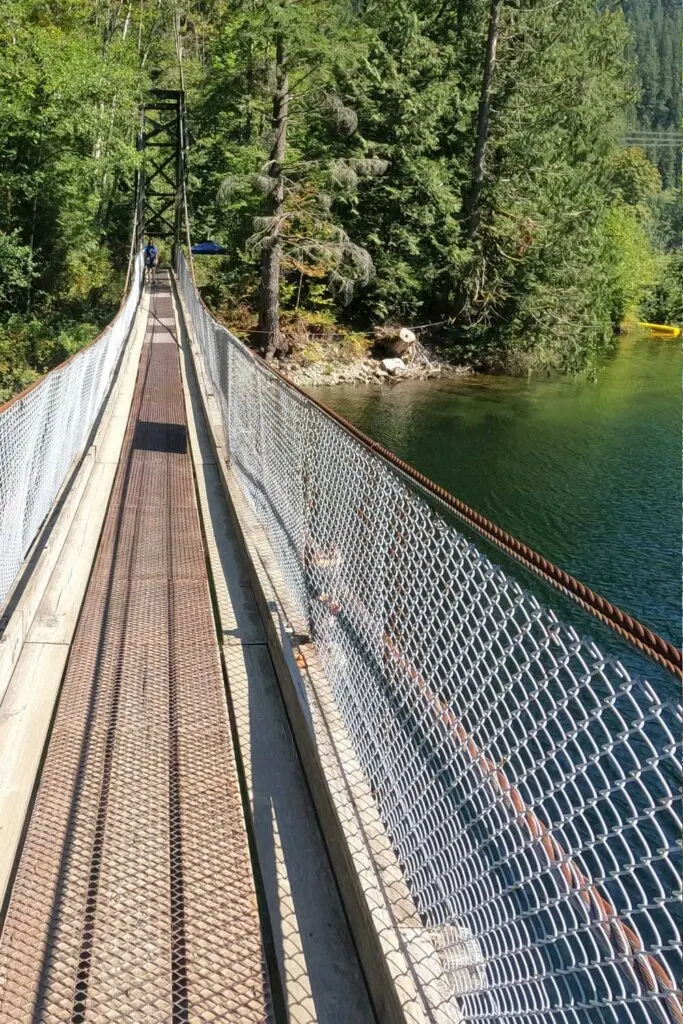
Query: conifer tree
x,y
314,45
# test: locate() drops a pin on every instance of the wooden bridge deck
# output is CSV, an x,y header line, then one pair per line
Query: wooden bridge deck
x,y
134,898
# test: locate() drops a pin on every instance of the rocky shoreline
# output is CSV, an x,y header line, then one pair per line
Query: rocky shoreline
x,y
365,371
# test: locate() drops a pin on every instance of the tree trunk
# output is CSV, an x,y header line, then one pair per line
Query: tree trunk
x,y
249,118
34,221
269,306
34,218
474,213
269,301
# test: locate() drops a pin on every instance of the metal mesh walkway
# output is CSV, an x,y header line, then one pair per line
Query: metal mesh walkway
x,y
134,898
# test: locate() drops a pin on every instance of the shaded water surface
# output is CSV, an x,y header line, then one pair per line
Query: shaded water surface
x,y
588,473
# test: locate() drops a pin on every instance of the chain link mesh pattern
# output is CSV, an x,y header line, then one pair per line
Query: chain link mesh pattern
x,y
527,779
43,432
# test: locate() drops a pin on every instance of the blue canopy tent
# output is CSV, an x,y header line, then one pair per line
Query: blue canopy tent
x,y
207,248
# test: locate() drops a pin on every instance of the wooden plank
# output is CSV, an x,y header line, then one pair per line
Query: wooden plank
x,y
25,717
238,612
46,553
319,968
56,616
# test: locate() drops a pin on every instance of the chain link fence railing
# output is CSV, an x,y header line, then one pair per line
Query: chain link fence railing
x,y
527,778
44,430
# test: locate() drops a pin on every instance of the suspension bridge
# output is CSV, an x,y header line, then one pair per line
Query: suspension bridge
x,y
287,732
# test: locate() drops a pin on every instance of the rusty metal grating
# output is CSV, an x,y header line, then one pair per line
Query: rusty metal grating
x,y
134,898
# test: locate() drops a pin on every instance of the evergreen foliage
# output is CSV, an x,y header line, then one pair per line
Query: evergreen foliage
x,y
69,87
657,26
394,110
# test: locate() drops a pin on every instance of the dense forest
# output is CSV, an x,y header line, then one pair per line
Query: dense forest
x,y
656,44
464,162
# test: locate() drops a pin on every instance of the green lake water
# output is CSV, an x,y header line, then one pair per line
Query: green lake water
x,y
588,473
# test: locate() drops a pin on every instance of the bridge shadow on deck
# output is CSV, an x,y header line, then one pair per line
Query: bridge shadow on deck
x,y
150,436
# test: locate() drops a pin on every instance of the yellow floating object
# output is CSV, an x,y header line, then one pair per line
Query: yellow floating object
x,y
670,332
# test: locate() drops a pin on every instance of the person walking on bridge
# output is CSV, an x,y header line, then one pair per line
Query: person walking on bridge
x,y
151,260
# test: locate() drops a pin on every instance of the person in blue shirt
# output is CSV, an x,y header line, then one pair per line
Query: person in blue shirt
x,y
151,254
